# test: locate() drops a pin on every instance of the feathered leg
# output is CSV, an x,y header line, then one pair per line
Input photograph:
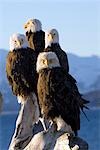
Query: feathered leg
x,y
45,123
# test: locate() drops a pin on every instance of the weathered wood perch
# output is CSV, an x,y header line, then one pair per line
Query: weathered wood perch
x,y
28,138
56,141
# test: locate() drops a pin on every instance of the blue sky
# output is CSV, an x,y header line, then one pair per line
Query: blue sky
x,y
78,22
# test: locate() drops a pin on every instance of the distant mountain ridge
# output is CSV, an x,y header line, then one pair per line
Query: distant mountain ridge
x,y
86,70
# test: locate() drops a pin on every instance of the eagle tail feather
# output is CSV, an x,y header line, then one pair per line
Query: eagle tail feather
x,y
85,115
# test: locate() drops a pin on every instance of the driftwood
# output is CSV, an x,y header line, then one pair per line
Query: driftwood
x,y
30,136
56,141
24,124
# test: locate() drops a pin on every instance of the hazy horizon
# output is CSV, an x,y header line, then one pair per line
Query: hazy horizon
x,y
77,55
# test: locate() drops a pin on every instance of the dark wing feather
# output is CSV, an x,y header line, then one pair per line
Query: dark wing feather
x,y
64,98
21,71
62,56
45,98
36,40
39,41
76,92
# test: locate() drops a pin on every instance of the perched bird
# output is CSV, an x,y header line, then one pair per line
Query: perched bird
x,y
35,35
21,70
59,101
52,44
36,39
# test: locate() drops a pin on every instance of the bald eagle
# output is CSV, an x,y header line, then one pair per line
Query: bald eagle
x,y
52,44
35,35
58,99
21,69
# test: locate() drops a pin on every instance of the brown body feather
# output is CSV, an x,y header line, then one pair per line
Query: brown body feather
x,y
21,71
36,40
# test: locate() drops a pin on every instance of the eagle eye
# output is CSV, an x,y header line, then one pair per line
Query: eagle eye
x,y
33,23
43,61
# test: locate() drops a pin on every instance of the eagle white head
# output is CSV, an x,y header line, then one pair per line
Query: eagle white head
x,y
51,36
18,41
33,25
47,60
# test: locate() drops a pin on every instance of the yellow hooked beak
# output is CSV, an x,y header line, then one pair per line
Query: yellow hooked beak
x,y
28,24
25,26
19,43
50,37
47,62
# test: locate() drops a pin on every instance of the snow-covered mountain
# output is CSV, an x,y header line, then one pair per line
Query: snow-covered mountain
x,y
86,70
